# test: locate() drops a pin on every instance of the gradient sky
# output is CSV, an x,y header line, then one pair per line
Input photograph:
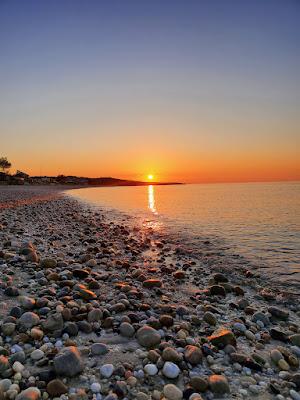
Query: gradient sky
x,y
187,90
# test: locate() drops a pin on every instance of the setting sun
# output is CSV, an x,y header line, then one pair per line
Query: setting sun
x,y
150,177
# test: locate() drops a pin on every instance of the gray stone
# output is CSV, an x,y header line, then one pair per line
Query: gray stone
x,y
68,362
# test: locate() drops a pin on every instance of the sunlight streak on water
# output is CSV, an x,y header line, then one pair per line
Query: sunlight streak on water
x,y
151,199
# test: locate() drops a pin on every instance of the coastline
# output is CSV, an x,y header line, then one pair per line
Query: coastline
x,y
134,278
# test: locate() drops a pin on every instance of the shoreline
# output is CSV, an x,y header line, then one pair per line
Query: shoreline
x,y
133,278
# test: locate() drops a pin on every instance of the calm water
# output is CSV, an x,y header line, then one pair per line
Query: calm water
x,y
260,221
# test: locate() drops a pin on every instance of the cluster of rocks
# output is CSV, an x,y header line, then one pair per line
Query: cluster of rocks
x,y
94,309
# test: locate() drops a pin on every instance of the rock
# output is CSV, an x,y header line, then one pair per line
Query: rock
x,y
99,349
179,274
152,283
217,290
172,392
54,322
27,303
80,273
95,387
218,277
85,293
170,354
71,328
279,313
283,365
95,315
11,291
29,319
4,364
278,335
36,334
56,387
276,356
151,369
218,384
199,384
148,337
222,337
107,370
32,393
166,320
295,339
8,328
296,379
170,370
294,395
193,355
127,329
260,316
48,263
68,362
5,384
37,354
209,318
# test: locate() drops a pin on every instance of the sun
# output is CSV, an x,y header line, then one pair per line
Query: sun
x,y
150,177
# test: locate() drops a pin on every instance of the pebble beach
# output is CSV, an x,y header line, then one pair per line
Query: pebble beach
x,y
91,308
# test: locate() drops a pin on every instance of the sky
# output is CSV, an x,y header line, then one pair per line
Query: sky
x,y
193,91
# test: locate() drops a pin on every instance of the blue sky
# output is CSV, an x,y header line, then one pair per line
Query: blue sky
x,y
199,81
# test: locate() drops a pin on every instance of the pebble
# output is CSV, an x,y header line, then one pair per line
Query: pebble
x,y
107,370
96,387
172,392
170,370
151,369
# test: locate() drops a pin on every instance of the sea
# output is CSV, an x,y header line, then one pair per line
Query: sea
x,y
258,221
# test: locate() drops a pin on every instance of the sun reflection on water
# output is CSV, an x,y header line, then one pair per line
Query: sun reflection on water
x,y
154,223
151,199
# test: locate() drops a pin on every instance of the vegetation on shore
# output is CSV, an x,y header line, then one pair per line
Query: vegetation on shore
x,y
22,178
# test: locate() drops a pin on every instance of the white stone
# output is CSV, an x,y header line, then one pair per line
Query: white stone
x,y
107,370
95,387
170,370
151,369
37,354
17,366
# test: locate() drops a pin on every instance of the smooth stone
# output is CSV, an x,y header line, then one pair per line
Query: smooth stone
x,y
95,387
37,354
99,349
54,322
32,393
151,369
29,319
294,395
222,337
218,384
147,336
279,313
295,339
276,356
48,263
210,318
172,392
107,370
170,370
56,388
193,355
68,362
127,329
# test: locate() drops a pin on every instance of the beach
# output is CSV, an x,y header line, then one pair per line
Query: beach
x,y
92,308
